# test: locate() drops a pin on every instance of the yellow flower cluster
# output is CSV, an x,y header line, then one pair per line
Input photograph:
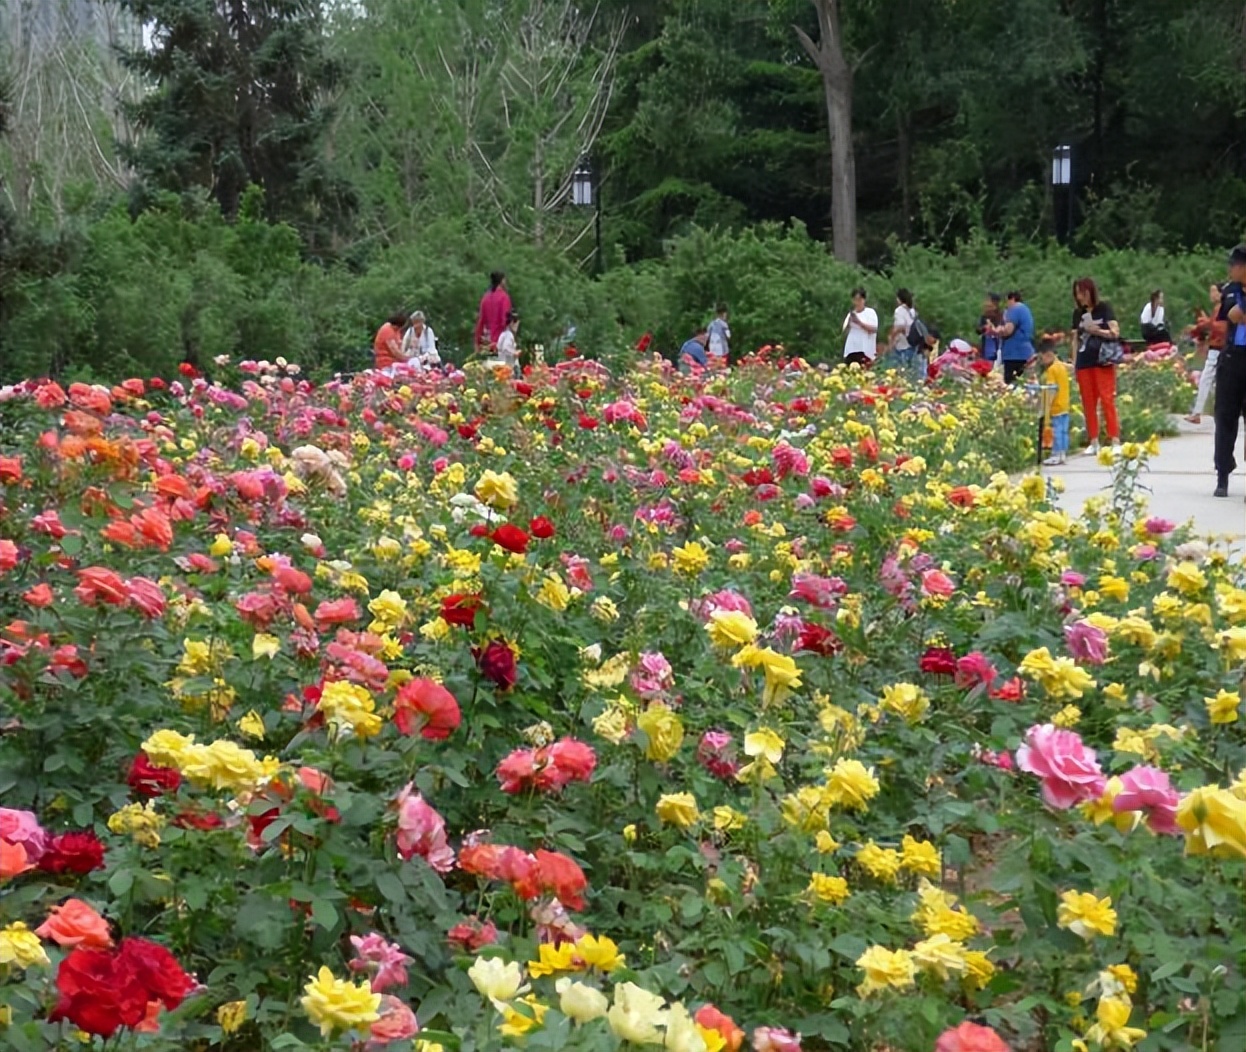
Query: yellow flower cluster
x,y
223,765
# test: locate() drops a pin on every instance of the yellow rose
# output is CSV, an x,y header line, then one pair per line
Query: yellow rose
x,y
335,1004
920,857
20,947
1086,915
495,979
1214,821
678,809
691,558
940,956
1223,707
663,731
499,490
731,628
827,888
885,969
580,1001
851,784
231,1015
637,1015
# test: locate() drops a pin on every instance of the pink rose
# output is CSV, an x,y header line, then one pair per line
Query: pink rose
x,y
1147,789
422,831
383,960
1086,642
652,677
775,1039
936,582
1068,769
396,1023
22,827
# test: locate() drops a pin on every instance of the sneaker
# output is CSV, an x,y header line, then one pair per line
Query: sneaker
x,y
1116,449
1091,450
1194,418
1222,489
1054,460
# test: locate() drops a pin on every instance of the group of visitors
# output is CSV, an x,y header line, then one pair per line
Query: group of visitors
x,y
407,343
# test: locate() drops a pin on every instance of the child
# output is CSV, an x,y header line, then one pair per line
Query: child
x,y
1054,372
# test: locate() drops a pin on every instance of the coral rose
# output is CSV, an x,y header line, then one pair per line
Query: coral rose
x,y
970,1037
74,923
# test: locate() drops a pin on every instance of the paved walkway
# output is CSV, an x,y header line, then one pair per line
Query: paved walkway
x,y
1181,480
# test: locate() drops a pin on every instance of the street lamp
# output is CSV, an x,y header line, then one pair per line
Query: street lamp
x,y
1062,176
585,194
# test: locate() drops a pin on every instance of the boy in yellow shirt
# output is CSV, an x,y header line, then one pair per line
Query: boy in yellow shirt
x,y
1055,373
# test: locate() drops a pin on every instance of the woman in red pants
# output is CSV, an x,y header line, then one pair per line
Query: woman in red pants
x,y
1094,322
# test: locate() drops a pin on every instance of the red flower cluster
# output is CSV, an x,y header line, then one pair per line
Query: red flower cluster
x,y
96,585
547,769
530,875
938,661
78,851
104,990
425,707
510,537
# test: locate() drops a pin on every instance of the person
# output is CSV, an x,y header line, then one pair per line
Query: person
x,y
1231,370
507,346
992,315
1209,331
692,353
1153,328
419,343
1016,335
901,322
1093,322
387,344
495,306
719,346
861,325
1057,402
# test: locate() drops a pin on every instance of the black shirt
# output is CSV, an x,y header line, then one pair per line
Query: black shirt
x,y
1088,350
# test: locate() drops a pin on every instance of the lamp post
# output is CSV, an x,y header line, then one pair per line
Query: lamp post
x,y
1062,177
585,193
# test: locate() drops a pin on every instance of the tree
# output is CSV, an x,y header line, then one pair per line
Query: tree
x,y
239,95
828,55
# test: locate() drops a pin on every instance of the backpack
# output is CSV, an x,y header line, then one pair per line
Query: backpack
x,y
918,333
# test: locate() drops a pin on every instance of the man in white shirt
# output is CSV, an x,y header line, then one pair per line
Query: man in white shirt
x,y
419,344
1153,328
861,327
719,346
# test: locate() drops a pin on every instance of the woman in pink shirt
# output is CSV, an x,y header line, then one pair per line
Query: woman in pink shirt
x,y
495,305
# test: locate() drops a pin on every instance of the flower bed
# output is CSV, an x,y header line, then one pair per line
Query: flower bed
x,y
572,712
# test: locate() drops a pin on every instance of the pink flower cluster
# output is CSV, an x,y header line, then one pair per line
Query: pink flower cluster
x,y
548,769
1069,771
422,831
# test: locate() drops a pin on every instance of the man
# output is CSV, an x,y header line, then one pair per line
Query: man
x,y
861,330
720,336
495,305
692,353
991,316
1231,370
1017,336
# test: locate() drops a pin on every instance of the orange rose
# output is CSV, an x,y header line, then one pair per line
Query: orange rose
x,y
74,923
13,860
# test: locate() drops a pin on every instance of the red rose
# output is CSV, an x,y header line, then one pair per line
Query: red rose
x,y
588,423
79,851
818,639
541,528
573,759
970,1037
479,530
497,663
425,707
96,585
471,935
204,821
510,537
188,370
157,969
98,993
146,779
460,609
938,661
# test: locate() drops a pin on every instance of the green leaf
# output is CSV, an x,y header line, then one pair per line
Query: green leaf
x,y
1166,970
324,913
388,884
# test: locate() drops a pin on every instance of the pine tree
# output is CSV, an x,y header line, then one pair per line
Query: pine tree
x,y
238,92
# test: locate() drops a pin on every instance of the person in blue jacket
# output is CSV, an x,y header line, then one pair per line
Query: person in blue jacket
x,y
693,351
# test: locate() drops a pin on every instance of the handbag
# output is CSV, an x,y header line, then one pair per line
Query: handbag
x,y
1111,352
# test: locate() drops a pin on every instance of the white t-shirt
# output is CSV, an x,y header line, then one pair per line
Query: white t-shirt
x,y
720,336
903,320
859,341
508,351
1153,318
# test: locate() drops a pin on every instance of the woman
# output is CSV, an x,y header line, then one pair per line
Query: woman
x,y
861,327
419,345
901,322
1210,333
508,348
387,344
1093,323
1153,328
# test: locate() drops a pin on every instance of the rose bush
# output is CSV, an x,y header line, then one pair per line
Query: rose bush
x,y
577,710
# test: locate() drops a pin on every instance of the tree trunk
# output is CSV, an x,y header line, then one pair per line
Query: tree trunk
x,y
903,148
828,55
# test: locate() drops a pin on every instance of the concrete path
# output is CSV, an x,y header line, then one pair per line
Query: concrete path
x,y
1181,480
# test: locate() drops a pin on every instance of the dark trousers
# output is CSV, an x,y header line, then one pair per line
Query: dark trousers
x,y
1013,370
1230,407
